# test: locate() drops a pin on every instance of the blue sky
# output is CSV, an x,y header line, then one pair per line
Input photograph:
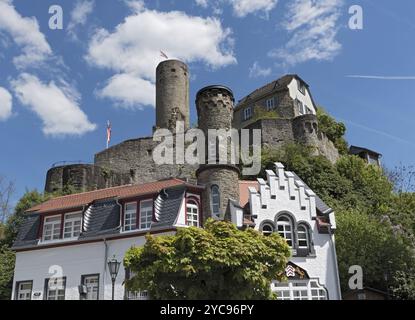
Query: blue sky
x,y
59,87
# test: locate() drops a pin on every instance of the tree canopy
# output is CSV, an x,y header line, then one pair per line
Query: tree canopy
x,y
217,262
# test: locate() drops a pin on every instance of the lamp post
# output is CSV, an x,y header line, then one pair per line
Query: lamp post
x,y
113,266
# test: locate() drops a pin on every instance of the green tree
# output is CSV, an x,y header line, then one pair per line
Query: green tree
x,y
7,258
374,244
217,262
334,130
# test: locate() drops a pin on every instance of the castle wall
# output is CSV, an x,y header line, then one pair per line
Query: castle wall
x,y
82,177
135,158
305,130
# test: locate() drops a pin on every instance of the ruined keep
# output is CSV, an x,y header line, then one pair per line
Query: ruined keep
x,y
131,162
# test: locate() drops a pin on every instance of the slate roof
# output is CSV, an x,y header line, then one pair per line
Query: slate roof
x,y
279,84
28,231
102,217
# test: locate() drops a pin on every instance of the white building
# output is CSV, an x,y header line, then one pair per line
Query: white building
x,y
64,244
286,205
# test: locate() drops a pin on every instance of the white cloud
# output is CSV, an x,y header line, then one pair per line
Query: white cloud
x,y
25,33
242,8
257,71
314,28
79,15
129,91
133,49
57,107
5,104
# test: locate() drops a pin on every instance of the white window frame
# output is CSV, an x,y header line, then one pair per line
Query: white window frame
x,y
92,287
58,289
270,104
215,199
192,217
300,107
247,113
71,228
287,231
303,235
24,294
130,217
301,86
51,230
146,219
300,290
138,295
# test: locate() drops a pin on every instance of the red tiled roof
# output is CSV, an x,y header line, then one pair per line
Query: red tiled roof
x,y
82,199
244,192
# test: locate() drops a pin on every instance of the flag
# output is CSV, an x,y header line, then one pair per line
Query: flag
x,y
163,54
109,131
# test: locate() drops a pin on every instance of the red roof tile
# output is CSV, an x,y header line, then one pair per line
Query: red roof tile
x,y
244,192
82,199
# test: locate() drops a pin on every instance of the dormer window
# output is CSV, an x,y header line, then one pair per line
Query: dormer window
x,y
52,228
300,107
301,86
247,113
130,216
72,225
270,104
146,214
192,214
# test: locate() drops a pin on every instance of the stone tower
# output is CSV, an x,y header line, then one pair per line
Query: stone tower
x,y
215,111
172,94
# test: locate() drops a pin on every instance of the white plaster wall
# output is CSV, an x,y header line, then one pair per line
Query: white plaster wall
x,y
304,98
75,261
324,265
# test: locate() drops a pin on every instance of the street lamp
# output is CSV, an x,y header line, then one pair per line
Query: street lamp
x,y
113,266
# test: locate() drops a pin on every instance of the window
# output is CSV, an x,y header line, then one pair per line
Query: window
x,y
92,287
130,216
215,200
303,241
301,86
137,295
72,225
24,290
52,228
146,214
300,107
270,104
300,290
285,230
248,113
192,214
267,229
55,289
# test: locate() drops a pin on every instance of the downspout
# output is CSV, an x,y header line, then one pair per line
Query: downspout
x,y
333,248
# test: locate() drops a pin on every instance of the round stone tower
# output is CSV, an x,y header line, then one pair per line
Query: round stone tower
x,y
215,111
172,94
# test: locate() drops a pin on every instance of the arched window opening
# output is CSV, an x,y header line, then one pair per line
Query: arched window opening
x,y
215,200
303,240
192,214
267,229
285,229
